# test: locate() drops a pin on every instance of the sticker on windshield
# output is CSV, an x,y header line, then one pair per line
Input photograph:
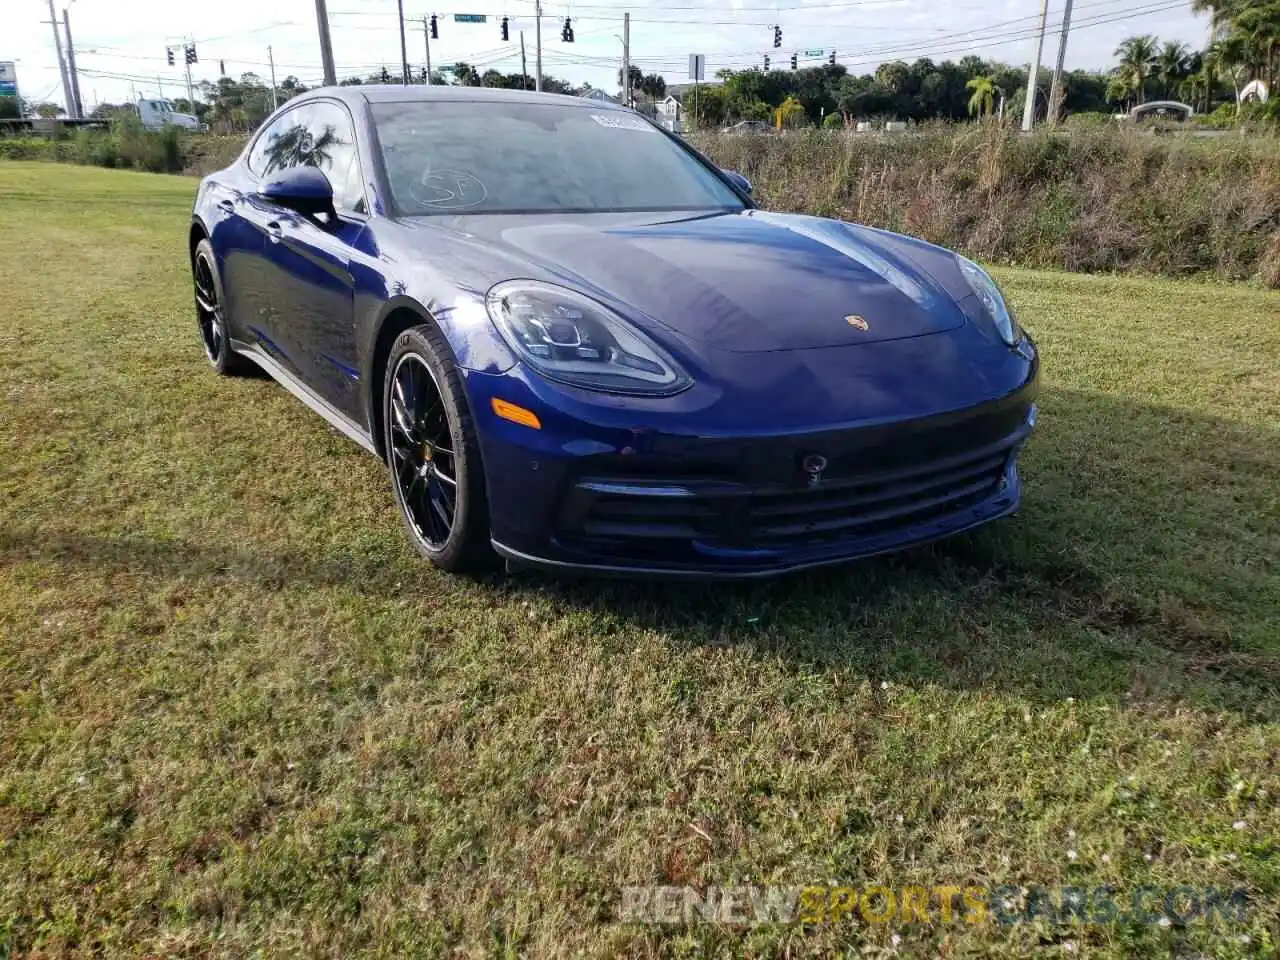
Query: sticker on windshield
x,y
620,121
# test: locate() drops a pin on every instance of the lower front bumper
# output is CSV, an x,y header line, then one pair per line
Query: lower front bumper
x,y
682,508
1003,503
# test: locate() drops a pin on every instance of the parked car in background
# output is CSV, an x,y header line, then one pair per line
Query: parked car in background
x,y
157,114
578,344
1163,110
747,126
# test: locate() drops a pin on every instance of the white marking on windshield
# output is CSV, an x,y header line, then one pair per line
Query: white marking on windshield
x,y
620,121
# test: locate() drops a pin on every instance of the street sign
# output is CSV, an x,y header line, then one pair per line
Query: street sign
x,y
469,18
8,79
813,53
697,67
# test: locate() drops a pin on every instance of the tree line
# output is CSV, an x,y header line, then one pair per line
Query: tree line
x,y
1246,47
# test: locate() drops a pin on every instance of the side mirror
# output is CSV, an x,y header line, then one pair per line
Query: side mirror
x,y
305,190
738,180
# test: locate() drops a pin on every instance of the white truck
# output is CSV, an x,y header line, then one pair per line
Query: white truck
x,y
156,114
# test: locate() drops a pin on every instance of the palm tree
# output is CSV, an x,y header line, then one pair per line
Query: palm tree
x,y
1256,23
1118,91
983,101
1259,26
1197,86
1172,66
1228,58
790,113
654,86
1137,57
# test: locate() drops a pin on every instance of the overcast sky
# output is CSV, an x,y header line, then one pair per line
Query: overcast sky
x,y
123,41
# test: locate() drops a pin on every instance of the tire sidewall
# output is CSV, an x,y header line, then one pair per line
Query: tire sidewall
x,y
222,362
469,510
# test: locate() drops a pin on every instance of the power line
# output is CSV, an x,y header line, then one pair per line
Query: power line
x,y
962,41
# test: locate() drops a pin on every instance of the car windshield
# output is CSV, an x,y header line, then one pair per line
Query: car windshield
x,y
451,157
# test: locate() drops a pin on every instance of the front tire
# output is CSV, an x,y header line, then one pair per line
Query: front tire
x,y
211,321
433,453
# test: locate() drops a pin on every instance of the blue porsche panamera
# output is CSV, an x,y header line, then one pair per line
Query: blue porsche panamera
x,y
578,344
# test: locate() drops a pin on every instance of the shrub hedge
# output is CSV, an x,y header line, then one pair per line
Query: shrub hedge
x,y
1091,199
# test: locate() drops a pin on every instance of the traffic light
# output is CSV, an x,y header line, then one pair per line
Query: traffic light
x,y
384,76
168,55
422,78
566,34
795,61
777,36
435,30
506,30
832,59
766,63
222,67
190,50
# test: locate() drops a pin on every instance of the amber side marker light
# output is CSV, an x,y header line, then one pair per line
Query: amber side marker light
x,y
509,411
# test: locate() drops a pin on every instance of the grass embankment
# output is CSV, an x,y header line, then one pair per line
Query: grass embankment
x,y
1091,200
240,716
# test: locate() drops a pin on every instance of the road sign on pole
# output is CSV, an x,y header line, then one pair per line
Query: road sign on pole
x,y
813,53
8,79
697,67
469,18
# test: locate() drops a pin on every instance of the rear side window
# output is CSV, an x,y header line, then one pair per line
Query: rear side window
x,y
266,152
317,135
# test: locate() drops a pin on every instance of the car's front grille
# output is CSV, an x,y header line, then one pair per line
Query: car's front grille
x,y
697,517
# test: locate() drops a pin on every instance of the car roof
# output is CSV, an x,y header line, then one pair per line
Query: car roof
x,y
408,93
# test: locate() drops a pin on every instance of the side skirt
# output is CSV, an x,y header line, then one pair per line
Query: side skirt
x,y
338,420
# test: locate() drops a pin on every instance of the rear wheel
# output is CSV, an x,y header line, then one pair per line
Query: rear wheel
x,y
433,453
211,321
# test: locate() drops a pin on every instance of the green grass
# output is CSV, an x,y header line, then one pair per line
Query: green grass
x,y
240,716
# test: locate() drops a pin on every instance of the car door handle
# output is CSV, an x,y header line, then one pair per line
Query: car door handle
x,y
226,206
275,231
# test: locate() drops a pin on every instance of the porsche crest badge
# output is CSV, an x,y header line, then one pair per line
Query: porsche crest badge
x,y
857,322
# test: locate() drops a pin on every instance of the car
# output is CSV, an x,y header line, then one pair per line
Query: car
x,y
579,345
158,114
747,126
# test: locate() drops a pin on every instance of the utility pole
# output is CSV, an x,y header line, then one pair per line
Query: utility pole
x,y
326,45
1055,89
524,69
426,38
275,98
62,66
626,59
1029,108
78,112
404,52
538,44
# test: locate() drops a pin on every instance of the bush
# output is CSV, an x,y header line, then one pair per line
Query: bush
x,y
1096,197
833,121
127,144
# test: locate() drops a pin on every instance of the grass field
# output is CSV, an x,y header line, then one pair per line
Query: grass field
x,y
238,715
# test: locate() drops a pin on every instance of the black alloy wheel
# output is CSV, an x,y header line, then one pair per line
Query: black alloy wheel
x,y
210,318
423,460
433,453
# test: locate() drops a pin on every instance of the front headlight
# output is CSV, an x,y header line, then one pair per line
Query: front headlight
x,y
568,337
985,289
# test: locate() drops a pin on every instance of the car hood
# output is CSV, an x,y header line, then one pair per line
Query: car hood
x,y
746,282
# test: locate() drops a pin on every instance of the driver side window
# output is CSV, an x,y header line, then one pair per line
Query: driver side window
x,y
318,135
274,150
